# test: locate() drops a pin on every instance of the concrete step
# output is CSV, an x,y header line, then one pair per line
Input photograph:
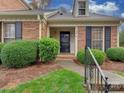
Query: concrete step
x,y
116,92
115,80
109,92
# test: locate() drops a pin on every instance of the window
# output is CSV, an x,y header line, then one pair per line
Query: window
x,y
82,8
9,34
97,38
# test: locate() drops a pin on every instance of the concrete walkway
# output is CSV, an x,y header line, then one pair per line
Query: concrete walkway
x,y
114,79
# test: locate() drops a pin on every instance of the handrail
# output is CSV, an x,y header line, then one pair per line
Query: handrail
x,y
95,61
94,76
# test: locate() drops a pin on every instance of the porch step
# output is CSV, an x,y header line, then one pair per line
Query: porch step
x,y
64,57
114,87
116,81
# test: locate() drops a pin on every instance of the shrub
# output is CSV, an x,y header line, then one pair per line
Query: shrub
x,y
19,54
1,46
116,54
99,55
48,49
81,56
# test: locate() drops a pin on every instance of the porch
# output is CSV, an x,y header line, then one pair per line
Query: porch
x,y
67,38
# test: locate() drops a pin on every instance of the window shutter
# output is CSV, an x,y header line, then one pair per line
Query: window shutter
x,y
88,36
107,37
18,30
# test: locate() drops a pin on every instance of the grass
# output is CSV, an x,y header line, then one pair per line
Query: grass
x,y
120,73
60,81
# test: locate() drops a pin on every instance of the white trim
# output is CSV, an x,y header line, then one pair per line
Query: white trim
x,y
118,45
19,20
48,31
2,33
40,29
72,25
76,40
103,38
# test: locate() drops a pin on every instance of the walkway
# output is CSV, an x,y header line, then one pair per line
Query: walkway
x,y
113,78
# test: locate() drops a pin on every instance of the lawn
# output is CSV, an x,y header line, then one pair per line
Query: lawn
x,y
121,73
60,81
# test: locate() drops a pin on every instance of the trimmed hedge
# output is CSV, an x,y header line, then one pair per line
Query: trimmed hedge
x,y
116,54
49,48
1,47
99,55
81,56
19,54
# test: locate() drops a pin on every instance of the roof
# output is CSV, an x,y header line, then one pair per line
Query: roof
x,y
22,12
27,5
62,16
22,15
12,5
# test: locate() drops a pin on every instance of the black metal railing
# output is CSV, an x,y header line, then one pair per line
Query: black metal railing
x,y
95,79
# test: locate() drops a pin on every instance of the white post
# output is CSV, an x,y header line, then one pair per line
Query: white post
x,y
2,33
76,40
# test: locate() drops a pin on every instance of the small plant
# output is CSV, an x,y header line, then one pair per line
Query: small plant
x,y
116,54
49,48
19,54
98,54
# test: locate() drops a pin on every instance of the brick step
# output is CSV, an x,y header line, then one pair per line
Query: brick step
x,y
64,57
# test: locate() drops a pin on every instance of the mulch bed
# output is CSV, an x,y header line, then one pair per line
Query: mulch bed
x,y
109,65
10,78
113,66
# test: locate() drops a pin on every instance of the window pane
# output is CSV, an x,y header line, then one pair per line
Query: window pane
x,y
97,37
82,5
81,11
9,33
9,30
6,40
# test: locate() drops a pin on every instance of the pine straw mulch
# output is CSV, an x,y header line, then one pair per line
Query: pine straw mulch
x,y
113,66
10,78
109,65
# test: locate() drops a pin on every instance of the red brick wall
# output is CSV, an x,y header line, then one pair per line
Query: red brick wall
x,y
114,37
81,37
30,30
44,30
7,5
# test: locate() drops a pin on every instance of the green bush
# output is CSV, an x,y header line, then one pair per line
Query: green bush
x,y
81,56
1,46
48,49
19,53
116,54
99,55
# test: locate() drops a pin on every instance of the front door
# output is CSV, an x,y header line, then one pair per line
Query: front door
x,y
65,42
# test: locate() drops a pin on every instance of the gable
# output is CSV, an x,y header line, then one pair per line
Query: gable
x,y
12,5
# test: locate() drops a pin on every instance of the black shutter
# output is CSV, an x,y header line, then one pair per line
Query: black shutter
x,y
88,36
18,30
107,37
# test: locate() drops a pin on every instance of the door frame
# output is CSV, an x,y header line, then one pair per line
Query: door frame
x,y
66,32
